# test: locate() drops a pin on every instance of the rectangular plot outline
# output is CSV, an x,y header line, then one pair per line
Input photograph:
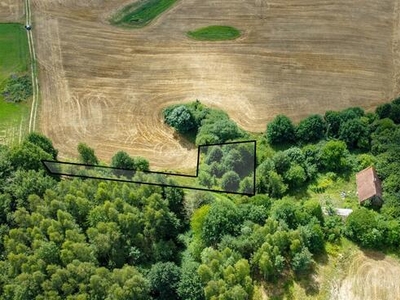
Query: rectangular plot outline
x,y
45,162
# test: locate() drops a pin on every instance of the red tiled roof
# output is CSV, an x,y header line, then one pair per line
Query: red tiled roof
x,y
368,184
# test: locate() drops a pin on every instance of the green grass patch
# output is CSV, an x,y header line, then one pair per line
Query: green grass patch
x,y
140,13
14,59
214,33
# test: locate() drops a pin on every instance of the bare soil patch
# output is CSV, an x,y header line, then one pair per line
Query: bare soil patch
x,y
107,86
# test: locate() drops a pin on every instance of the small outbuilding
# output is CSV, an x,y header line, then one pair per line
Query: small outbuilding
x,y
369,188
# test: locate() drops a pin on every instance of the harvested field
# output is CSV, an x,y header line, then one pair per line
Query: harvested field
x,y
371,277
107,86
11,11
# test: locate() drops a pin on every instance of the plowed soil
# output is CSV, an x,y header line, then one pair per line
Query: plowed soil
x,y
107,85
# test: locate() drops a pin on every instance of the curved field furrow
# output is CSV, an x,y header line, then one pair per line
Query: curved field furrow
x,y
107,86
371,278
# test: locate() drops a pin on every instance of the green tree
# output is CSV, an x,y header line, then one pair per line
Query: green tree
x,y
334,156
296,176
362,227
223,218
280,130
86,154
230,181
383,111
333,121
122,160
355,134
164,280
42,142
311,129
190,287
28,156
302,261
180,118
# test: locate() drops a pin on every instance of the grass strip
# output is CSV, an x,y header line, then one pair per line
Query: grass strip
x,y
215,33
140,13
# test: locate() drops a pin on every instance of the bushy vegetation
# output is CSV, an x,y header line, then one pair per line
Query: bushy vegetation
x,y
214,33
17,88
203,124
141,13
228,167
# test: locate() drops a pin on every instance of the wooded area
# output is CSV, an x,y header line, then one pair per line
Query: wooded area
x,y
88,239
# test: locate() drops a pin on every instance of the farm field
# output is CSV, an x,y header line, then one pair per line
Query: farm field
x,y
11,10
107,85
14,57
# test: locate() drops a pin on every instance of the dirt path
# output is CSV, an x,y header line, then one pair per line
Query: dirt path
x,y
107,86
35,84
371,277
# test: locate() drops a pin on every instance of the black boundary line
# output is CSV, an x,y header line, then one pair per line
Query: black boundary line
x,y
44,161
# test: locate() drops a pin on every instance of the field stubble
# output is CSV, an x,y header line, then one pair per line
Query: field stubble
x,y
107,86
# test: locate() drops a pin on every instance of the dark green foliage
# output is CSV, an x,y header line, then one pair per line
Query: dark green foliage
x,y
215,155
230,181
313,237
384,110
208,179
351,113
218,131
122,160
211,126
28,156
286,210
281,162
180,118
24,183
395,113
246,186
311,129
42,142
141,164
333,121
222,219
17,88
334,156
362,227
296,176
280,130
225,275
302,261
355,134
86,154
333,228
190,287
175,199
164,279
